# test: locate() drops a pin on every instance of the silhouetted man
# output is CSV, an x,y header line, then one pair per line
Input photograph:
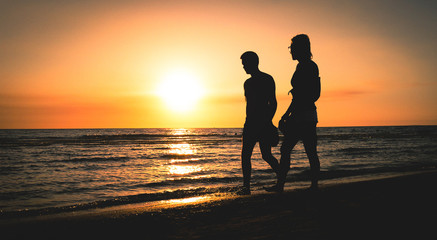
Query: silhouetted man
x,y
259,91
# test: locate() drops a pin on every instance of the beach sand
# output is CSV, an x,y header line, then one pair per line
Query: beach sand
x,y
402,207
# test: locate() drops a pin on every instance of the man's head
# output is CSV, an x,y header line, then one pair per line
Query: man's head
x,y
250,62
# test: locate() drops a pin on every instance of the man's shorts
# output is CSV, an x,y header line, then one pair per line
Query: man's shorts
x,y
261,132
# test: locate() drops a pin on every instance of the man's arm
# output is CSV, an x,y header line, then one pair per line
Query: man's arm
x,y
273,104
244,87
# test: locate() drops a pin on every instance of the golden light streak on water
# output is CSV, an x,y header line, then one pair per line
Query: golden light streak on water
x,y
183,170
181,149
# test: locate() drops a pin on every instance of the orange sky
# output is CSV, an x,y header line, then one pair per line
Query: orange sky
x,y
101,64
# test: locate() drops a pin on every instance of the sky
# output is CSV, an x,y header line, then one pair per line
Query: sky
x,y
176,64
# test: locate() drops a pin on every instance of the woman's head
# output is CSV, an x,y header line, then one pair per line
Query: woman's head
x,y
300,47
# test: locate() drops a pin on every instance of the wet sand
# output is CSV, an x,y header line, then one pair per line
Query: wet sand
x,y
402,207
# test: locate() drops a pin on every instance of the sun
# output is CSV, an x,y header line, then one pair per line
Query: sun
x,y
180,90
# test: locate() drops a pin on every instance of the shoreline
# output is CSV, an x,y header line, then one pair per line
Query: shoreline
x,y
173,198
401,206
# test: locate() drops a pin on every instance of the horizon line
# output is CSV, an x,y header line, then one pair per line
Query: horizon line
x,y
351,126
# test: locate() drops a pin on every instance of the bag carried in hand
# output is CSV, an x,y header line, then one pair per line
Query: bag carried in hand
x,y
285,125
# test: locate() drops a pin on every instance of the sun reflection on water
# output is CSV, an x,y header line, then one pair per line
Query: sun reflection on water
x,y
179,131
188,200
183,170
181,149
183,153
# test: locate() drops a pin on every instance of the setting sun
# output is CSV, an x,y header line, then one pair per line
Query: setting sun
x,y
151,64
180,89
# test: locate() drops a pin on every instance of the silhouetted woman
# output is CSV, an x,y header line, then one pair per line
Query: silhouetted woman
x,y
300,120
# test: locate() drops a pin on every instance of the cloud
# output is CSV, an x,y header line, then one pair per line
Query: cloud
x,y
343,94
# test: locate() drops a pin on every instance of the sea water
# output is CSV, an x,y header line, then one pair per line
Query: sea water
x,y
58,169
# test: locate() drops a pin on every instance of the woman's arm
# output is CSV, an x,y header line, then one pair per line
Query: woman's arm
x,y
317,89
288,112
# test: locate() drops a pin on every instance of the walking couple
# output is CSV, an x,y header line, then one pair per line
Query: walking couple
x,y
298,123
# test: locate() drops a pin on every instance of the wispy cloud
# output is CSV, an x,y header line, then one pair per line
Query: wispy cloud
x,y
343,94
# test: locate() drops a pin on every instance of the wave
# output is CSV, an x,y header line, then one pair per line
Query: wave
x,y
139,198
14,138
179,156
116,139
97,159
293,176
358,150
87,160
6,170
366,133
187,180
359,170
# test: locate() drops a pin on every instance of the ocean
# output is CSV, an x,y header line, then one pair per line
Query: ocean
x,y
60,170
